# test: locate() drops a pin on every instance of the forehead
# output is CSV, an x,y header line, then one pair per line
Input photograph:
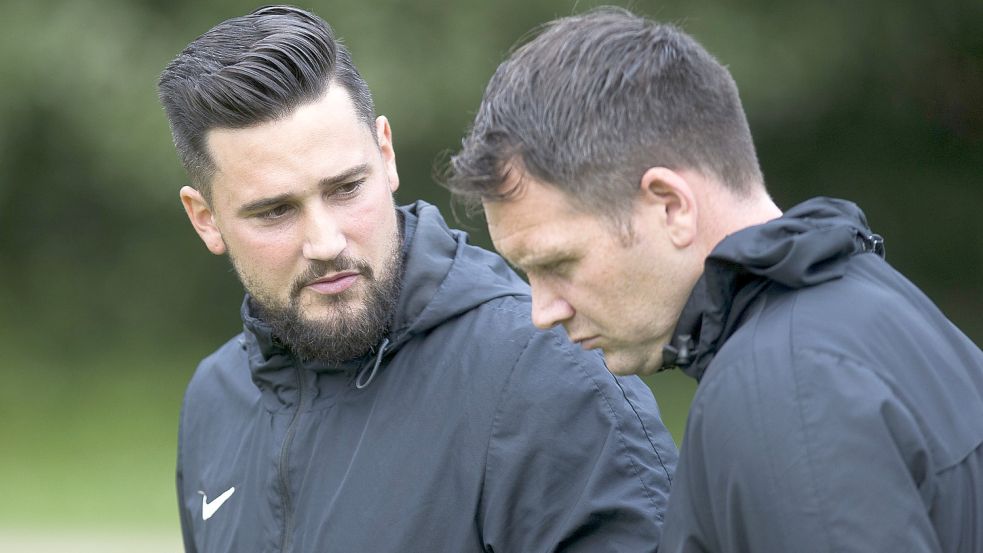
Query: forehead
x,y
326,135
537,223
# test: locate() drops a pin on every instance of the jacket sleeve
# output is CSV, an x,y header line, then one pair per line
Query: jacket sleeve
x,y
186,527
577,460
819,456
189,542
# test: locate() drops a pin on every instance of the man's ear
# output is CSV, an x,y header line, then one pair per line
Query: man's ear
x,y
202,219
668,196
384,135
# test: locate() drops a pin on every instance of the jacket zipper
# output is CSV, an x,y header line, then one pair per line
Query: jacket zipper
x,y
284,452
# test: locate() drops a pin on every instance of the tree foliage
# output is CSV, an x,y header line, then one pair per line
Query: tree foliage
x,y
880,102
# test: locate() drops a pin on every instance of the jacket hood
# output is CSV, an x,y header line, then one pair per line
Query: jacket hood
x,y
807,245
439,272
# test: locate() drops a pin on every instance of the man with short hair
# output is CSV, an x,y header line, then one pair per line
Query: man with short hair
x,y
388,392
837,408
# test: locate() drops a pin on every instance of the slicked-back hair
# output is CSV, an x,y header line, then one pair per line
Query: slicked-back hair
x,y
592,102
251,70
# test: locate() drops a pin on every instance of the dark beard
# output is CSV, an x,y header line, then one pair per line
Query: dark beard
x,y
355,329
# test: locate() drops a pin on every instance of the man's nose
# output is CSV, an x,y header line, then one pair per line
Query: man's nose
x,y
324,237
548,307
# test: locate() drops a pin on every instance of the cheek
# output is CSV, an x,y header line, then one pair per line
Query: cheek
x,y
607,290
371,224
264,251
363,221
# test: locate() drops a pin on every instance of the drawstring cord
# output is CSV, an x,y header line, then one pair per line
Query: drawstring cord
x,y
375,368
679,353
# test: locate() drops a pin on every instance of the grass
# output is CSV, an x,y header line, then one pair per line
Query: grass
x,y
89,541
674,392
89,443
88,446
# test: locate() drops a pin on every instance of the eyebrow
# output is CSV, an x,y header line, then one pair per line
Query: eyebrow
x,y
544,261
327,182
345,176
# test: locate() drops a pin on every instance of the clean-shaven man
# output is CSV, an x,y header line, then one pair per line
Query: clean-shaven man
x,y
837,408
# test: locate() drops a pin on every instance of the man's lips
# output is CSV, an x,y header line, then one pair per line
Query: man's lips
x,y
334,284
587,342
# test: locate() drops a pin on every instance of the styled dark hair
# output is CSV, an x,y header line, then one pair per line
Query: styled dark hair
x,y
250,70
592,102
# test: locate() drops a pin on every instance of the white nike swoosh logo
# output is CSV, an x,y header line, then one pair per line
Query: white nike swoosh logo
x,y
208,508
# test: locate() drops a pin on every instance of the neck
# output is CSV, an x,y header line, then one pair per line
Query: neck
x,y
728,213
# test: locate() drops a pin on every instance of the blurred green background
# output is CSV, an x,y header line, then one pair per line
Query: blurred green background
x,y
108,300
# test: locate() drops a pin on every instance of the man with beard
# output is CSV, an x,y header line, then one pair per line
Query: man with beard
x,y
837,408
388,392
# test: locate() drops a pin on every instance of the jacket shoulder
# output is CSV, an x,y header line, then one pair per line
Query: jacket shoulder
x,y
542,372
869,336
566,427
223,374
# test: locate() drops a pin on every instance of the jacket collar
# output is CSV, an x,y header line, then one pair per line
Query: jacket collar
x,y
806,246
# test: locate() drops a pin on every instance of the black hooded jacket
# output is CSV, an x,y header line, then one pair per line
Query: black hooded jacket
x,y
837,408
468,430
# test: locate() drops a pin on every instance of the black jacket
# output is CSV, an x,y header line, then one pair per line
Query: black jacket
x,y
837,409
476,433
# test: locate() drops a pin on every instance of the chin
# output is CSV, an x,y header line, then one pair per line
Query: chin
x,y
620,367
331,308
627,363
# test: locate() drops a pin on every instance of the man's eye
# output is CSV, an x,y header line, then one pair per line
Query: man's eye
x,y
557,268
350,188
275,213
